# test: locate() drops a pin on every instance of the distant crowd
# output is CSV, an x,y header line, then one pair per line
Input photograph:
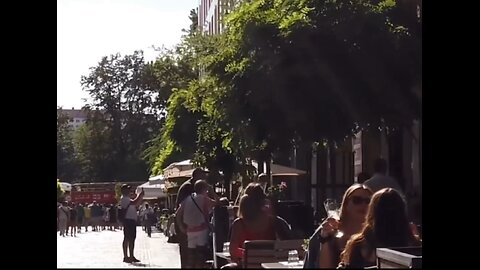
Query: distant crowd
x,y
71,217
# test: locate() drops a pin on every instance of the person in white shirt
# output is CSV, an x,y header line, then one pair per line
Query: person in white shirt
x,y
192,218
130,222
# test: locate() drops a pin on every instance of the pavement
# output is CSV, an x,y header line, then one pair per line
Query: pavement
x,y
104,250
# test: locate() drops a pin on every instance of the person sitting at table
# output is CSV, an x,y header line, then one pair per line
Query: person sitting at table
x,y
255,222
352,215
386,225
283,230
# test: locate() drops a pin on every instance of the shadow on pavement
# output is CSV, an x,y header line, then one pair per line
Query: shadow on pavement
x,y
139,264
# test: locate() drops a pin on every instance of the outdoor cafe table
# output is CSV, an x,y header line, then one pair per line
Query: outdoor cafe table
x,y
283,265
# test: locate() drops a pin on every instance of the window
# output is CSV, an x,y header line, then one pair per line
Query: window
x,y
76,120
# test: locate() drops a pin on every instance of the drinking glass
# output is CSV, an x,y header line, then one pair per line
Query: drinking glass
x,y
333,211
293,257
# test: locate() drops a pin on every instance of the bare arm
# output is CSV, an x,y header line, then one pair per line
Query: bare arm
x,y
326,259
139,198
235,241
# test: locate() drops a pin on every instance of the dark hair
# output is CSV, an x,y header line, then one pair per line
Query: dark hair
x,y
125,190
386,225
224,201
255,190
249,208
263,178
198,173
380,165
200,186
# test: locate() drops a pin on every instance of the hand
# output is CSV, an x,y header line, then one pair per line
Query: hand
x,y
414,229
329,227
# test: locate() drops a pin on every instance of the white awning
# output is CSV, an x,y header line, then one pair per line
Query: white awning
x,y
66,186
159,179
152,191
280,170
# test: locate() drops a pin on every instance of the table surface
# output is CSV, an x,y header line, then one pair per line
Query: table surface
x,y
282,265
225,255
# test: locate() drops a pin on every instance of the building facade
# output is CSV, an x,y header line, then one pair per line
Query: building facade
x,y
211,14
76,117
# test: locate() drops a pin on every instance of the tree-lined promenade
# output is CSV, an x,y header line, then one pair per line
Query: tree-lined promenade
x,y
282,74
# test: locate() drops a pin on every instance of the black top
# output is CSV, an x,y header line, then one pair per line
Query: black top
x,y
184,191
73,214
112,211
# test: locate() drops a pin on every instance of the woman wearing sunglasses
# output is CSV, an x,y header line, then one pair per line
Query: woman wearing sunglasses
x,y
352,215
386,225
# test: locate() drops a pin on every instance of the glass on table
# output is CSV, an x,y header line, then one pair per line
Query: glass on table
x,y
293,257
226,247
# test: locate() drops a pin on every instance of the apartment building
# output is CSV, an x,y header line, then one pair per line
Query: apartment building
x,y
76,117
211,14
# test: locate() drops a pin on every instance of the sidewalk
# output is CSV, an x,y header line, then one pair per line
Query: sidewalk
x,y
104,250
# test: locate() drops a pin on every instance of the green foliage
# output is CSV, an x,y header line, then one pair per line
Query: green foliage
x,y
277,192
66,162
285,72
118,191
127,109
337,64
60,190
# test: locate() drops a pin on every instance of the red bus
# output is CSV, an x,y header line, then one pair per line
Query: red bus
x,y
103,192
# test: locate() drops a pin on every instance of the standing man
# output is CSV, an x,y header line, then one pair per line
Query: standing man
x,y
129,222
264,181
194,212
380,179
80,216
63,217
184,192
88,216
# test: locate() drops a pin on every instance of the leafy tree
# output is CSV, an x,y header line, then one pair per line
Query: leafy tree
x,y
127,111
294,72
66,163
304,70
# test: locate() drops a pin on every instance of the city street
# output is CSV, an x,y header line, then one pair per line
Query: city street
x,y
104,250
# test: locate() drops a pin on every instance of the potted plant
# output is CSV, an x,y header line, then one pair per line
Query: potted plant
x,y
277,192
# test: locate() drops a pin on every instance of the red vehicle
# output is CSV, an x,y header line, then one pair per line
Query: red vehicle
x,y
100,192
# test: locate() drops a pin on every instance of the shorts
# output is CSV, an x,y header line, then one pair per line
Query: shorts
x,y
197,239
130,229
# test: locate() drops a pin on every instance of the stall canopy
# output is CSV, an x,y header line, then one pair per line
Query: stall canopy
x,y
159,179
280,170
152,191
66,186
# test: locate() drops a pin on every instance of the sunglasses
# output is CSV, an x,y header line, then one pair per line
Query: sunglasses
x,y
358,200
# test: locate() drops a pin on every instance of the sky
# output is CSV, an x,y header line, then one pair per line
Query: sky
x,y
87,30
